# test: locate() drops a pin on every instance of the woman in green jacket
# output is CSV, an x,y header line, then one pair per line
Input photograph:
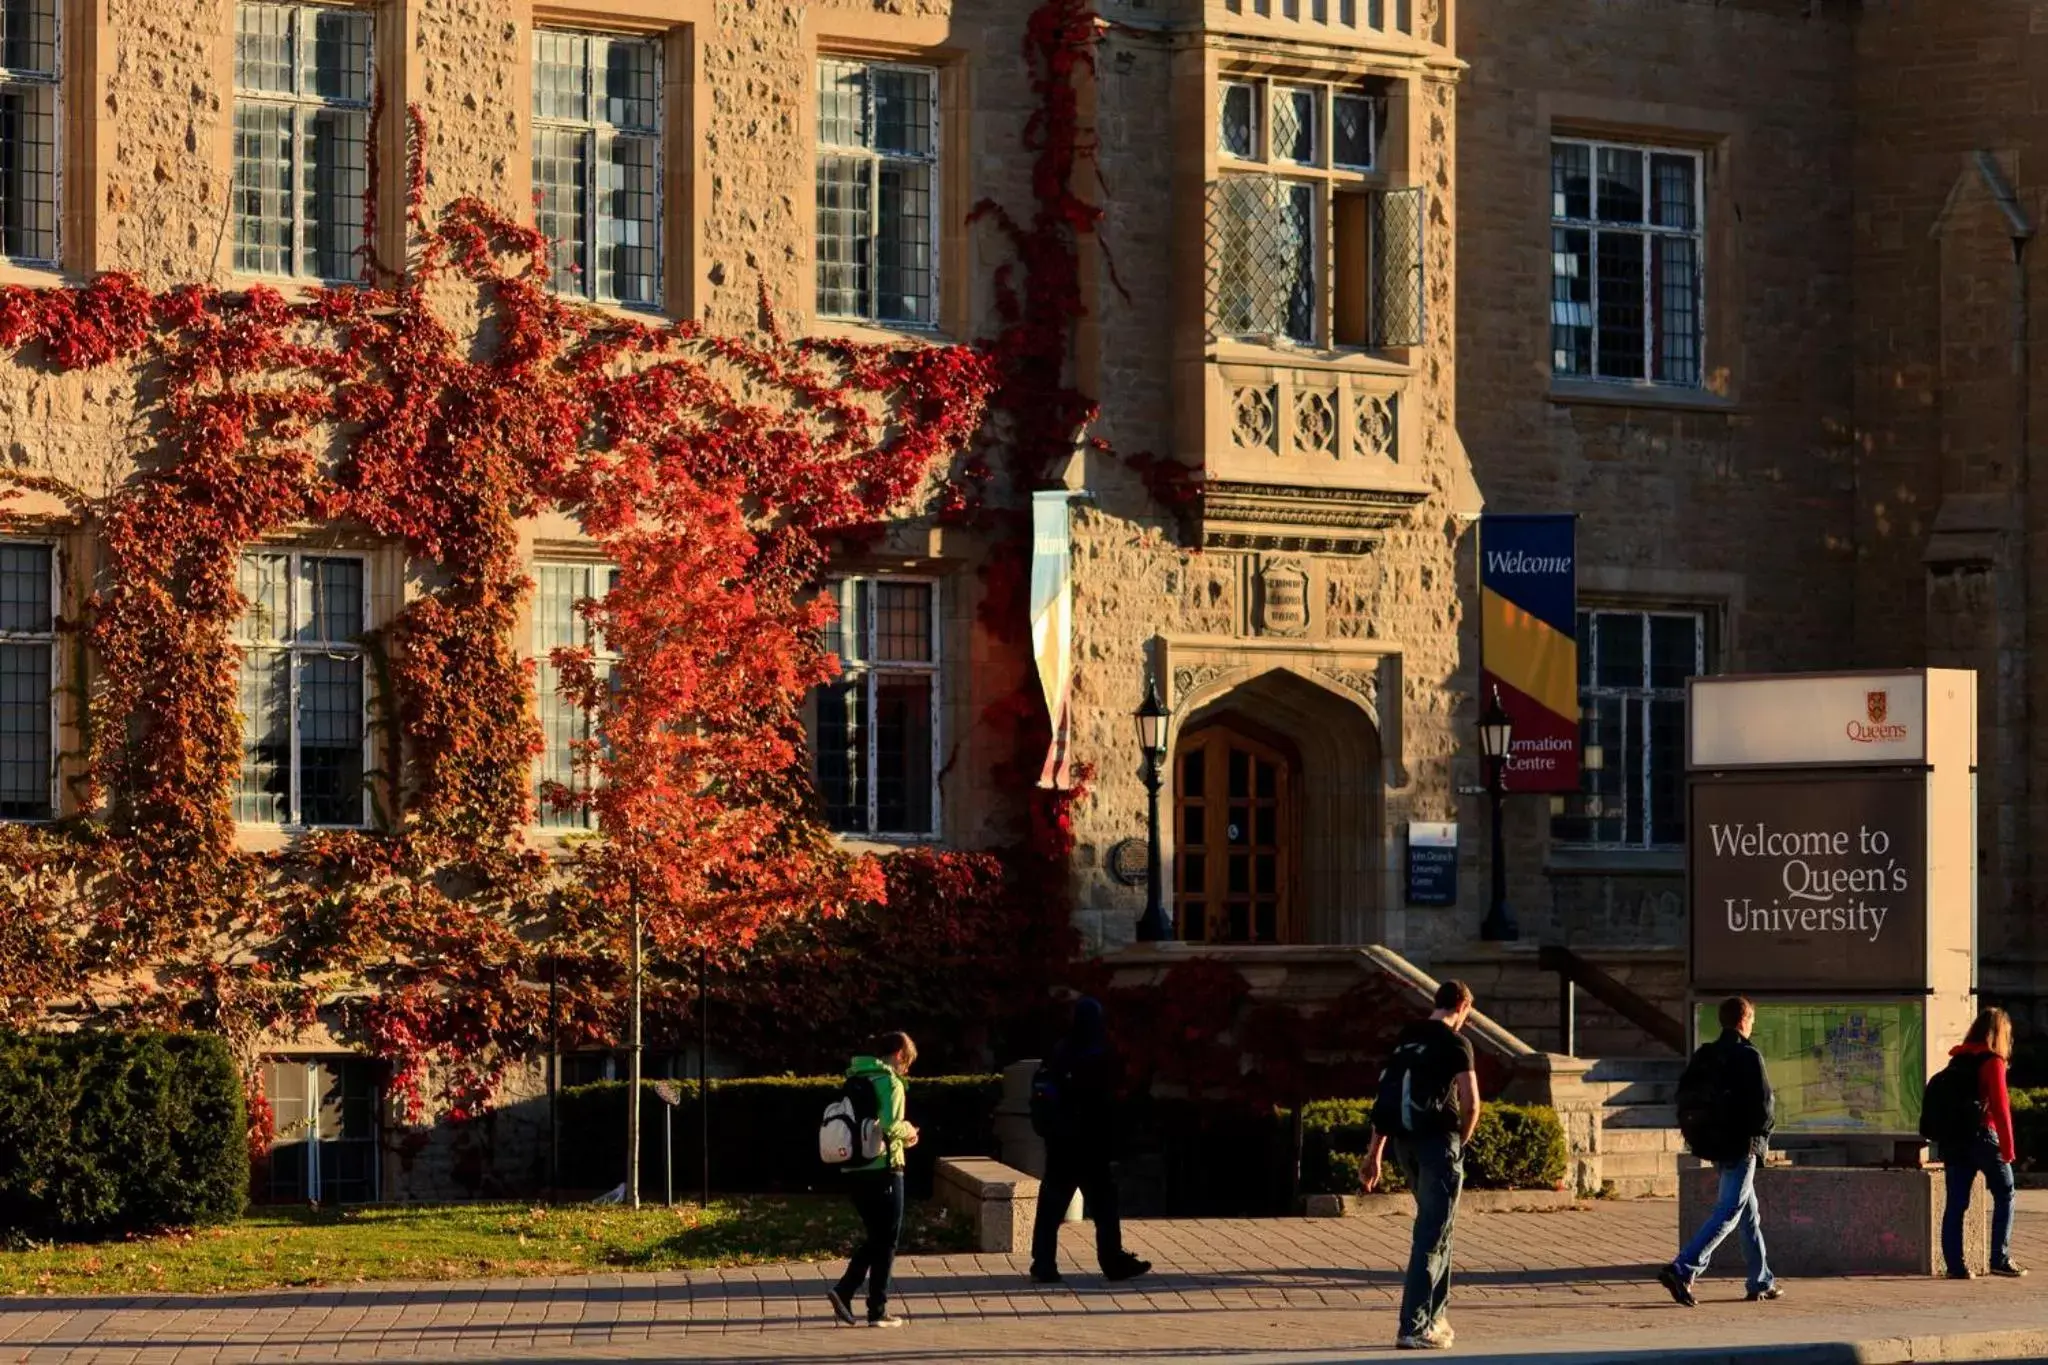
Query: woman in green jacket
x,y
877,1185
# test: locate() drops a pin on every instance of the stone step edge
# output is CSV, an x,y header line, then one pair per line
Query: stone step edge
x,y
1471,1201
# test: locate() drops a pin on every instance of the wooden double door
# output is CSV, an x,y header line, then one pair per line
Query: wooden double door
x,y
1236,829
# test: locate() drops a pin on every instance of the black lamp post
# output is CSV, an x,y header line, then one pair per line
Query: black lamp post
x,y
1495,732
1156,926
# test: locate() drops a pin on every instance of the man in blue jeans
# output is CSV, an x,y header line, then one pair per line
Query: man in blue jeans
x,y
1432,1108
1727,1111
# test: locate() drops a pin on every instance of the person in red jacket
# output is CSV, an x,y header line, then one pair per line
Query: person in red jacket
x,y
1990,1150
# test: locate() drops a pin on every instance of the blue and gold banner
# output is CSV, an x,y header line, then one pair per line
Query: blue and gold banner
x,y
1528,644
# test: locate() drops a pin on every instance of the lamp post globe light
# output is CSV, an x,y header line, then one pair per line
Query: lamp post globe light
x,y
1155,927
1496,732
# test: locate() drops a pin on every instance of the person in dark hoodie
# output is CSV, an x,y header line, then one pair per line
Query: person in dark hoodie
x,y
877,1186
1079,1128
1740,1112
1987,1046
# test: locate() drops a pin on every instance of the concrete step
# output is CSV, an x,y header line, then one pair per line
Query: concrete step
x,y
1642,1116
1641,1187
1638,1165
1619,1093
1666,1142
1622,1068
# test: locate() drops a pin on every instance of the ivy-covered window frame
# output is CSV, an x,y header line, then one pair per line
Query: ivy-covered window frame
x,y
31,575
875,746
320,640
561,583
1633,665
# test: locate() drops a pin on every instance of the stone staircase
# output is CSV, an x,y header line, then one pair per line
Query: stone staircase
x,y
1638,1143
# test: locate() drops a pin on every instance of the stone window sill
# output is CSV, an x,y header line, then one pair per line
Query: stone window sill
x,y
1623,394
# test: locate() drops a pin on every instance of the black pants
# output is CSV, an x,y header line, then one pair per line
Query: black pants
x,y
1068,1167
878,1199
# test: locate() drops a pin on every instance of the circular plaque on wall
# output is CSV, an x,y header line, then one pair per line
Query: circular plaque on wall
x,y
1127,862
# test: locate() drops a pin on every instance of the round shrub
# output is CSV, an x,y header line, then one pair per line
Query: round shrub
x,y
119,1132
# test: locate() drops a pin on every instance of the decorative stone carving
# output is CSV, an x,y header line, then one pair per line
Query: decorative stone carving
x,y
1315,421
1282,598
1364,685
1375,426
1191,678
1253,421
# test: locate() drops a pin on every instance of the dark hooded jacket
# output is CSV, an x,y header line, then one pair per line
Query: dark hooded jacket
x,y
1089,1072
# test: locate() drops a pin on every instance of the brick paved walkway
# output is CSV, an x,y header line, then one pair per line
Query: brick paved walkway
x,y
1290,1290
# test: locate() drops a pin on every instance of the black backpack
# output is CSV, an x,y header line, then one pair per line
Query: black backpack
x,y
1398,1110
1047,1111
1952,1110
1703,1104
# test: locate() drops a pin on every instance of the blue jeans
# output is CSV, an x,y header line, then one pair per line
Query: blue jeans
x,y
1981,1154
1434,1167
1735,1208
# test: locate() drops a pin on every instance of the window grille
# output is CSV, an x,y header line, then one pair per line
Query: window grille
x,y
877,185
597,128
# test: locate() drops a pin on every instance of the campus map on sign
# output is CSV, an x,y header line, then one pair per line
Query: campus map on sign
x,y
1840,1068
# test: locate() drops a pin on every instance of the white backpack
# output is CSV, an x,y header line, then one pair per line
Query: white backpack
x,y
843,1135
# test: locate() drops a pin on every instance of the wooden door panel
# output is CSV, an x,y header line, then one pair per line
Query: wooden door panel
x,y
1234,815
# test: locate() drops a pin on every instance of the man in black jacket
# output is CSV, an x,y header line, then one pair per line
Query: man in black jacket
x,y
1731,1071
1080,1146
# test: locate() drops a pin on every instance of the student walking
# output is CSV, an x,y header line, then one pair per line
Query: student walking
x,y
1973,1133
1073,1107
877,1185
1726,1111
1427,1107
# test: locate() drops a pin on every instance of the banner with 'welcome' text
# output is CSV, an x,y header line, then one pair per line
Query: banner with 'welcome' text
x,y
1528,644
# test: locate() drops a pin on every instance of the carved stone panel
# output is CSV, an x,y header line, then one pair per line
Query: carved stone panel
x,y
1283,598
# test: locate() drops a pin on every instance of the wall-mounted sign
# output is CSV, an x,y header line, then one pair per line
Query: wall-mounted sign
x,y
1528,645
1810,881
1812,719
1432,863
1127,861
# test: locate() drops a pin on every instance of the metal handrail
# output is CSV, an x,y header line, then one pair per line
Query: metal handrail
x,y
1573,970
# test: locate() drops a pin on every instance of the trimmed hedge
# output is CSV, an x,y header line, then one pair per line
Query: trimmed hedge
x,y
1515,1147
764,1132
111,1133
2030,1126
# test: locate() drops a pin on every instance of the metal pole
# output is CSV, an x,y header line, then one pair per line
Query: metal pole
x,y
704,1079
554,1075
1567,1015
668,1155
1155,927
633,1066
1499,925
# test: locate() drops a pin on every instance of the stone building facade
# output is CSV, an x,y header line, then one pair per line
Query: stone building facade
x,y
1367,267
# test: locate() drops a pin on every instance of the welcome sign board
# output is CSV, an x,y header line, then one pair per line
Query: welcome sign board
x,y
1809,881
1528,645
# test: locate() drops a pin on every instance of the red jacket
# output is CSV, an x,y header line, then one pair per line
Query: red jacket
x,y
1991,1089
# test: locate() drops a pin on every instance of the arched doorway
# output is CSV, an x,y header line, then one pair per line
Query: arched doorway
x,y
1237,856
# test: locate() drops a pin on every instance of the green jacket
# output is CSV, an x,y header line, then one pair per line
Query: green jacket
x,y
889,1091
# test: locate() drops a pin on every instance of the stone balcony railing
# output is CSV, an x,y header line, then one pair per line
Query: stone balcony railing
x,y
1415,25
1309,456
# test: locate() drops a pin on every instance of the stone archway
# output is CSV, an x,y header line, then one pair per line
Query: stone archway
x,y
1327,804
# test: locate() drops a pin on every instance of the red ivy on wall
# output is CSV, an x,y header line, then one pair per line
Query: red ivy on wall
x,y
711,471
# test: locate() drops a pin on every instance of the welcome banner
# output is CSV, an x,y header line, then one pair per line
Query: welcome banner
x,y
1528,644
1052,621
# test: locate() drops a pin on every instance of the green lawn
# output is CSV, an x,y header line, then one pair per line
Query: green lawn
x,y
463,1241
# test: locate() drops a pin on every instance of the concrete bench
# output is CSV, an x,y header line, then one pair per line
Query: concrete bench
x,y
1000,1201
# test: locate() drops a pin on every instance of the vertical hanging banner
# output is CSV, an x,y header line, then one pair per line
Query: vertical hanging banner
x,y
1052,622
1528,644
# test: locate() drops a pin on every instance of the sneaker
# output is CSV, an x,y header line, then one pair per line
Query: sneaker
x,y
1960,1275
1046,1276
841,1309
1129,1268
1680,1290
1435,1339
886,1320
2010,1271
1766,1294
1443,1329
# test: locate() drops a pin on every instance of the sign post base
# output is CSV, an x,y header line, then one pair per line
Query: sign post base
x,y
1822,1221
